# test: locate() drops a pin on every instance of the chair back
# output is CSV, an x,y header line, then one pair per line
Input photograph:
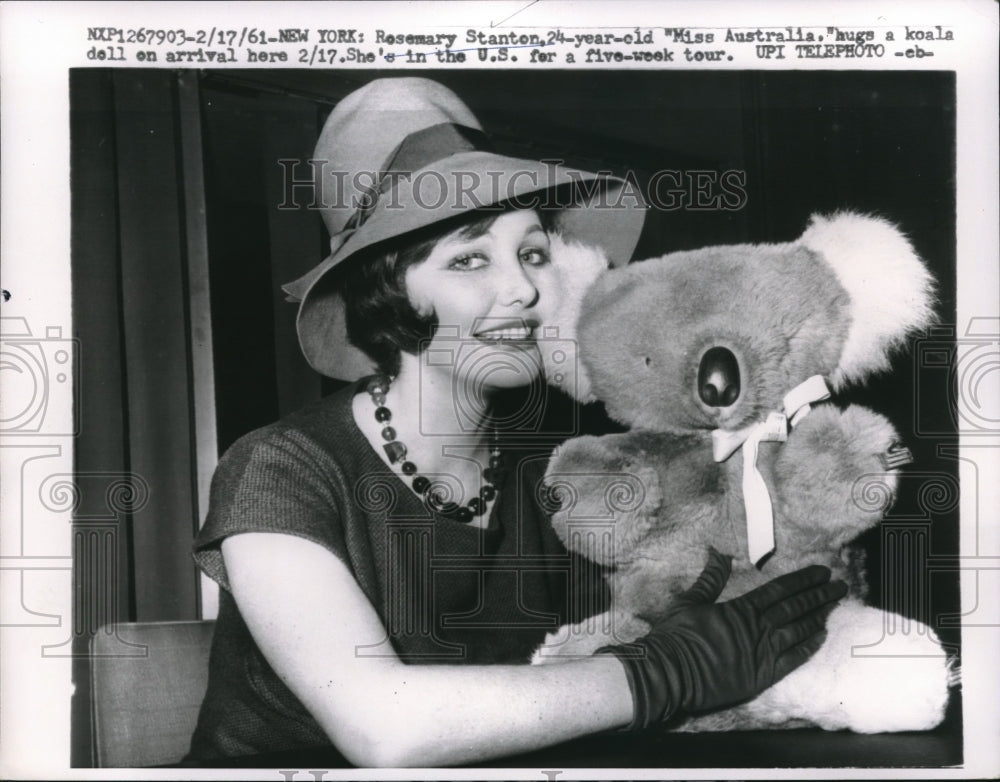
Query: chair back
x,y
148,680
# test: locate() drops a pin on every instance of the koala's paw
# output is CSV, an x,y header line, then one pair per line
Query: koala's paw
x,y
875,673
600,502
836,474
582,639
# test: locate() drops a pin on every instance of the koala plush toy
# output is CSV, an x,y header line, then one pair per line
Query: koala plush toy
x,y
720,362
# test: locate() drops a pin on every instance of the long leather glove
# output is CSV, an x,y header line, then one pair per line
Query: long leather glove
x,y
704,655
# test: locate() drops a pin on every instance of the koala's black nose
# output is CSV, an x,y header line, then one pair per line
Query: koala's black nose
x,y
719,378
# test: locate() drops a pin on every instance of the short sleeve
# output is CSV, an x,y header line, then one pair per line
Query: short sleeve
x,y
273,480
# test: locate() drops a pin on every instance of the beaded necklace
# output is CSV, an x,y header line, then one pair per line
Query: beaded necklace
x,y
430,492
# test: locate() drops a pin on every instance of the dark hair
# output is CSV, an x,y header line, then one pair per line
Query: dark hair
x,y
380,319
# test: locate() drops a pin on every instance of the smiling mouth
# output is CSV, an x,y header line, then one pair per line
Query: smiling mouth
x,y
508,334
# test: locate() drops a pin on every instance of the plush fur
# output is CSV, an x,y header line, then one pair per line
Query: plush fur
x,y
882,316
577,266
650,502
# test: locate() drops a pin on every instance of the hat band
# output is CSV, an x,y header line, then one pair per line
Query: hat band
x,y
418,150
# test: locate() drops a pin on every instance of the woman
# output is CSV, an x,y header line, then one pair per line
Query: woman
x,y
368,543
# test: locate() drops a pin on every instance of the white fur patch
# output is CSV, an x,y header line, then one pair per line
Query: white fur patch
x,y
890,288
578,266
875,673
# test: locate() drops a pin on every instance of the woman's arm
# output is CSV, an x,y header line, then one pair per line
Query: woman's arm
x,y
308,616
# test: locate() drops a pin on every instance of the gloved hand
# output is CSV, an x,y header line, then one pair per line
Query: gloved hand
x,y
704,655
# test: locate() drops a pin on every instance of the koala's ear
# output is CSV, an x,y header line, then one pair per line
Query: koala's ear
x,y
892,293
577,267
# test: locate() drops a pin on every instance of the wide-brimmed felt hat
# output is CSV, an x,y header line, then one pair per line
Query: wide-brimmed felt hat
x,y
401,154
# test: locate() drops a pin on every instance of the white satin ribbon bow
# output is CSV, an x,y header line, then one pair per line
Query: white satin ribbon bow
x,y
774,428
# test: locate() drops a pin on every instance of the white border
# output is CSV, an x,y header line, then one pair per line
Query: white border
x,y
40,41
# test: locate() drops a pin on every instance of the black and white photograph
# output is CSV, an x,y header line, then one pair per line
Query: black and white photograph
x,y
523,390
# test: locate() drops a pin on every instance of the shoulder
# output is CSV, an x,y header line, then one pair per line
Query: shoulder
x,y
296,476
309,440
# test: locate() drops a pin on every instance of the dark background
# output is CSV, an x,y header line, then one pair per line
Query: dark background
x,y
175,190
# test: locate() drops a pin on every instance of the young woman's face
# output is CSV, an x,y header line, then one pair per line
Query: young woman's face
x,y
488,293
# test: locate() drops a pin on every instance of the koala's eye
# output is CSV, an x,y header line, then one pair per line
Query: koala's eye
x,y
649,361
